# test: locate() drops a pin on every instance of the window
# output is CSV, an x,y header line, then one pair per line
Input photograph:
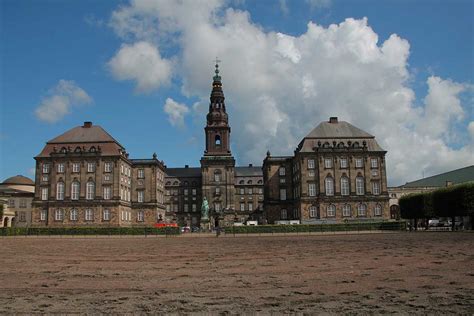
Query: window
x,y
186,191
217,176
106,215
250,191
311,173
11,203
46,168
313,211
121,169
343,162
284,214
217,206
23,203
344,186
75,188
141,195
106,177
140,216
359,163
282,171
73,215
329,185
346,210
60,168
359,186
374,163
76,167
141,173
90,167
378,210
89,215
260,190
194,207
331,210
282,194
374,172
168,207
44,194
375,188
327,163
282,180
218,141
107,192
242,206
361,210
312,189
250,205
194,191
218,191
242,191
44,178
310,163
186,208
90,188
22,217
43,215
59,215
108,167
60,191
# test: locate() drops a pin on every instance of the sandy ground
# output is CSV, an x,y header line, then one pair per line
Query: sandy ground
x,y
423,273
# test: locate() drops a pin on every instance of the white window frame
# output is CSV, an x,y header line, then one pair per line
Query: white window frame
x,y
140,196
360,190
374,163
76,167
327,163
242,207
343,163
90,190
75,193
107,192
140,216
73,215
194,208
194,191
108,167
141,174
90,167
186,207
217,177
375,188
282,171
60,168
44,193
313,211
250,191
312,189
331,210
59,215
23,203
359,163
43,215
89,215
60,186
310,163
346,210
329,186
106,215
361,210
345,186
46,167
250,206
282,194
378,210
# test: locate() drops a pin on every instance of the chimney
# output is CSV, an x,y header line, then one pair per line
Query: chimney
x,y
250,165
87,124
333,119
186,166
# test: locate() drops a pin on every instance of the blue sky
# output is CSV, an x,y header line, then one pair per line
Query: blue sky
x,y
44,42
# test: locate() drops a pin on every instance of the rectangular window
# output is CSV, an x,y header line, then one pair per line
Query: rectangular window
x,y
46,168
375,188
186,191
60,191
346,210
250,191
22,217
89,215
107,192
312,211
106,177
217,207
312,189
250,205
43,215
141,216
75,187
60,168
23,203
282,180
90,167
141,173
360,186
141,196
121,169
106,215
76,167
310,163
168,208
283,194
359,163
194,207
108,167
59,215
260,190
282,171
44,194
242,206
45,178
218,191
194,191
242,191
374,163
217,177
175,207
374,172
186,208
327,163
343,163
311,173
284,214
73,215
11,203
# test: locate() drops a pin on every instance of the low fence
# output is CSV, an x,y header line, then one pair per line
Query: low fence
x,y
343,227
88,231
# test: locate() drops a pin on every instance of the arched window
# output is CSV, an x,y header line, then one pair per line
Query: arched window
x,y
344,185
75,189
329,185
331,210
217,176
90,190
218,140
346,210
360,185
284,214
241,182
313,211
175,183
168,183
361,210
59,215
186,183
260,182
378,210
249,182
60,191
73,215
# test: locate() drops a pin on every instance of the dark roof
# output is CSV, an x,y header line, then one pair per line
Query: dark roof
x,y
254,171
338,129
19,180
84,134
457,176
193,172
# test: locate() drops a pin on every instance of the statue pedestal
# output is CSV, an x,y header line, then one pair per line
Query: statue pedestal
x,y
205,225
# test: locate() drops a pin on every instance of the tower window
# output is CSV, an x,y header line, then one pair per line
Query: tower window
x,y
218,141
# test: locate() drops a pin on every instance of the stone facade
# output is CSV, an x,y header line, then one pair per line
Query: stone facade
x,y
16,196
337,174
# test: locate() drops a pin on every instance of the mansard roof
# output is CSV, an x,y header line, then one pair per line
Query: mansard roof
x,y
337,129
186,172
86,133
250,171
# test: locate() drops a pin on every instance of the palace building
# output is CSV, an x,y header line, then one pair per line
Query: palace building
x,y
85,177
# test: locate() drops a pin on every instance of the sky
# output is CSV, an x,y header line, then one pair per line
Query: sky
x,y
400,70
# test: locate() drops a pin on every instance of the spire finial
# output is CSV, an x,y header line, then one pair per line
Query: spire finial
x,y
217,77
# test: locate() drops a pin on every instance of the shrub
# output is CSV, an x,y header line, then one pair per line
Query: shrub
x,y
47,231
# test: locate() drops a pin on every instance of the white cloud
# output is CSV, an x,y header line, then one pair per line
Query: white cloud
x,y
142,63
60,101
278,86
176,112
316,4
470,128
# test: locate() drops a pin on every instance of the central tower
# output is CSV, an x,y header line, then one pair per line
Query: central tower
x,y
217,163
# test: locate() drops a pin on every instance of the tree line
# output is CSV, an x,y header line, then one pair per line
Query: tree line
x,y
456,200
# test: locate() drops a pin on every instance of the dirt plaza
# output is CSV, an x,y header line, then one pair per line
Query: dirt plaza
x,y
360,273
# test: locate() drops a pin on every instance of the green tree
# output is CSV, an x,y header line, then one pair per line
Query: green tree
x,y
412,206
457,200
